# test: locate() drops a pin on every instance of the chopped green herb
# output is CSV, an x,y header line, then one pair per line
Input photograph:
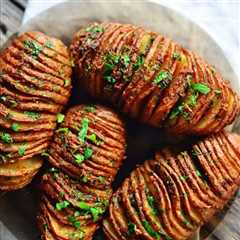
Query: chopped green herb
x,y
83,132
84,179
33,115
183,178
60,117
94,211
217,92
62,130
79,158
15,127
150,230
163,79
152,203
90,108
126,59
62,205
101,179
92,137
45,154
34,47
176,56
200,87
131,228
139,62
49,44
74,221
21,150
95,29
198,173
88,153
6,137
61,194
67,82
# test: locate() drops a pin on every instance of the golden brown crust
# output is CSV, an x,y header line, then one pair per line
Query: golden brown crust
x,y
159,83
171,196
35,84
86,153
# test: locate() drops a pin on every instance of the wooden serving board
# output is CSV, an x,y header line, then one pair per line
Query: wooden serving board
x,y
18,210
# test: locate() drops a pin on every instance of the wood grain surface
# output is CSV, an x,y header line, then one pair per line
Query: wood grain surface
x,y
227,222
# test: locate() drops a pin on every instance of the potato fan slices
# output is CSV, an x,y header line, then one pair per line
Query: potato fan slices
x,y
35,84
174,194
151,78
86,153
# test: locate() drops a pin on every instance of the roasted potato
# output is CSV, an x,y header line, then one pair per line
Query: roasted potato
x,y
86,153
152,79
171,196
35,84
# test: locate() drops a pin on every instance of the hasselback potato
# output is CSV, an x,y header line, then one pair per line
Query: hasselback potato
x,y
153,79
86,153
35,84
171,196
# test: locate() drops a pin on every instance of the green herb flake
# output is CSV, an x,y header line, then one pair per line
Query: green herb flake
x,y
183,178
74,221
152,203
63,130
79,158
218,92
88,153
83,132
131,228
163,79
93,137
198,173
15,127
33,47
200,87
139,62
62,205
176,56
150,230
60,117
90,108
45,154
21,150
6,138
101,179
67,82
95,29
33,115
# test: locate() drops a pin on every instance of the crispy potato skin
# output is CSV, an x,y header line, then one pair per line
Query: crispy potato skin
x,y
152,79
86,153
172,195
35,85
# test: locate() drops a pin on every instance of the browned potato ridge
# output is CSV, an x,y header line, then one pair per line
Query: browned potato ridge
x,y
86,153
171,196
153,79
35,84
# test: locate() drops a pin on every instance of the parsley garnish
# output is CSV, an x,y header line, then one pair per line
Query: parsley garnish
x,y
200,87
15,127
152,203
62,130
60,117
95,29
33,115
131,228
6,137
21,150
176,56
138,63
74,221
34,47
61,205
163,79
88,153
90,108
79,158
83,132
94,211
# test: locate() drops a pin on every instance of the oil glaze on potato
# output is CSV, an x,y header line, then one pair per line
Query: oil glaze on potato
x,y
152,79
